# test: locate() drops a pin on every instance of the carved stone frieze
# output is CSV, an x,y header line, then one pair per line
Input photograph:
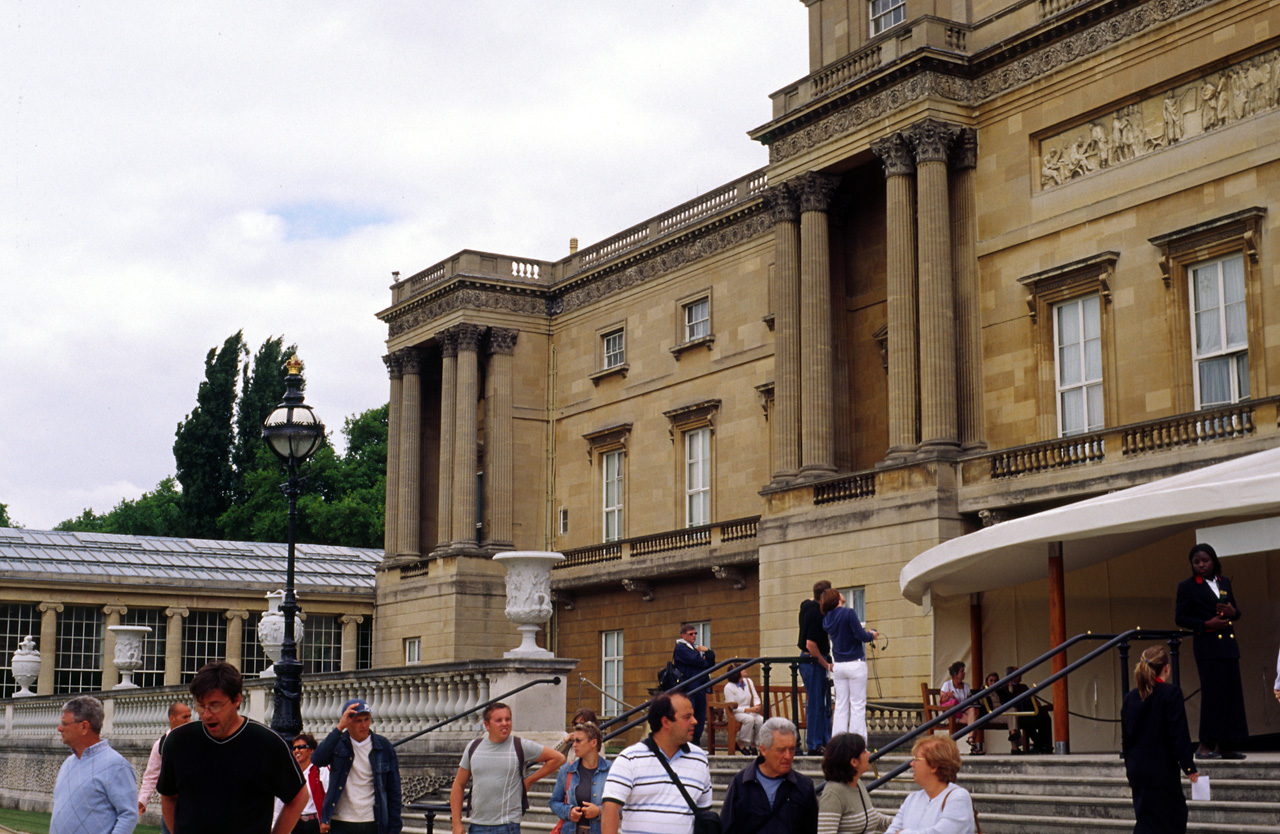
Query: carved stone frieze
x,y
467,298
895,155
815,190
782,203
993,78
503,340
931,140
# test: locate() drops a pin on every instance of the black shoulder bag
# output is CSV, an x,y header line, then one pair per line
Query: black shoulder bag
x,y
705,820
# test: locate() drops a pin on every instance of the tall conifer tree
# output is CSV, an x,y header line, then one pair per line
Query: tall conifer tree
x,y
202,450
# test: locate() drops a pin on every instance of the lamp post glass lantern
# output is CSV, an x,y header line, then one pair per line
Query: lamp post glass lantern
x,y
294,433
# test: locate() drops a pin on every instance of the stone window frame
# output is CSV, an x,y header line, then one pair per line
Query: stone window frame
x,y
600,443
412,651
683,421
683,343
1045,290
891,6
1084,383
1235,233
602,335
608,706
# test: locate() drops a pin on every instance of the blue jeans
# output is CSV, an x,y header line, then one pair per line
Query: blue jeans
x,y
506,828
817,717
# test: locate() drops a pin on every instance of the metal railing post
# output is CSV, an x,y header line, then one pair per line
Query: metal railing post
x,y
765,676
795,692
1124,668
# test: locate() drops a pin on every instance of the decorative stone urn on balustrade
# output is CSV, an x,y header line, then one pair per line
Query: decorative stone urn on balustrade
x,y
26,667
128,657
528,595
271,632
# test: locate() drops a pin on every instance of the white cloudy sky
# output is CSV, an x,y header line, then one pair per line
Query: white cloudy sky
x,y
174,172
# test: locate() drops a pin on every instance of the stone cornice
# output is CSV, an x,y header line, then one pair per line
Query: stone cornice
x,y
981,77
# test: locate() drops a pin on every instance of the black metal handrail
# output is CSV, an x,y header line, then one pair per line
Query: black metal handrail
x,y
554,681
766,664
1120,641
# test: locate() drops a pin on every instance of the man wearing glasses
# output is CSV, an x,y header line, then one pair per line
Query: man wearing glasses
x,y
221,774
317,778
95,787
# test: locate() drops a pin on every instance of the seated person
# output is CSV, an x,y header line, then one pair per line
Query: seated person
x,y
955,690
747,710
1036,728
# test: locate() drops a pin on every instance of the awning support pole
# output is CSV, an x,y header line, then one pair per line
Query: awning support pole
x,y
1058,636
977,672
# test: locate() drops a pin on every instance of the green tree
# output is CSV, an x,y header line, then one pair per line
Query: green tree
x,y
347,504
261,389
202,448
5,521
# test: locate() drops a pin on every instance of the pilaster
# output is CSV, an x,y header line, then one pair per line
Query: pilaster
x,y
235,636
785,208
903,334
350,641
410,475
390,526
500,430
448,419
49,612
173,646
964,234
464,440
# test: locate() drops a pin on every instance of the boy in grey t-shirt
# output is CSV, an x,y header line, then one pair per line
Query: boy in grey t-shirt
x,y
498,792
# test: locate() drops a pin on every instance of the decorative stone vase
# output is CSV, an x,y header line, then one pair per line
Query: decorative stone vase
x,y
528,595
271,632
26,667
128,657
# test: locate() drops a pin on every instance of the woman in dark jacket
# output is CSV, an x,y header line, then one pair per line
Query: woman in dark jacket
x,y
1156,744
1207,606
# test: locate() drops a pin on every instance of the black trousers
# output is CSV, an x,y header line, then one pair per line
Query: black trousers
x,y
307,827
1159,809
341,827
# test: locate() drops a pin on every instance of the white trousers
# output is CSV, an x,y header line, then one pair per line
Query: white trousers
x,y
749,724
850,679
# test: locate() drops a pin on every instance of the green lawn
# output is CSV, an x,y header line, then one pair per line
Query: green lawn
x,y
35,822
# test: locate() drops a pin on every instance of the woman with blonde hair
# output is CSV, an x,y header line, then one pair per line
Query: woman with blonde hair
x,y
939,807
1156,743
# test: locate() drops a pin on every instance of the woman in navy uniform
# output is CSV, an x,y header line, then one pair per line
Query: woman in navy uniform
x,y
1207,606
1156,745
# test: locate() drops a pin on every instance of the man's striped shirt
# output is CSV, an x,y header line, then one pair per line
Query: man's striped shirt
x,y
651,803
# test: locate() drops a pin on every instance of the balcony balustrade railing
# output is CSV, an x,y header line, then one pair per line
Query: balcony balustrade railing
x,y
739,529
405,700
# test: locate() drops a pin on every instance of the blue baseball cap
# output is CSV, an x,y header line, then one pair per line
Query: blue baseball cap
x,y
361,707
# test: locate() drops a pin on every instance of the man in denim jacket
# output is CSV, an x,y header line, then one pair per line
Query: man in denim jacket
x,y
364,776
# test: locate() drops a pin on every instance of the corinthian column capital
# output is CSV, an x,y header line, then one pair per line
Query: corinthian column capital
x,y
392,361
448,342
931,139
502,340
815,190
468,336
783,205
964,154
410,361
894,155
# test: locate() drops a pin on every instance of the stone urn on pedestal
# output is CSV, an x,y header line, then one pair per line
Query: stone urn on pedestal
x,y
26,667
271,632
128,657
528,595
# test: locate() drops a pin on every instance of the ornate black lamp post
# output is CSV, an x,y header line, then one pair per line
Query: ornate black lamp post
x,y
294,433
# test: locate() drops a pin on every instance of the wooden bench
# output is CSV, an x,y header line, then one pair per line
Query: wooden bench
x,y
929,698
780,704
720,717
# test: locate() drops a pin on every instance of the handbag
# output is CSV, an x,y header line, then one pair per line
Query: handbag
x,y
705,820
568,792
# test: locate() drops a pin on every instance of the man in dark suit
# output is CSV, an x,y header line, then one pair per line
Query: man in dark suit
x,y
691,659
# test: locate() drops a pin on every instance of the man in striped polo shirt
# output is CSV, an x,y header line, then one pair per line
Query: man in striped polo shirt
x,y
639,796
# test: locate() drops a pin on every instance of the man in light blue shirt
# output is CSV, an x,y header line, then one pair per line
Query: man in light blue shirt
x,y
97,789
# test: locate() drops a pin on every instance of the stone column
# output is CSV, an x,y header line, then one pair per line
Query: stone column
x,y
409,479
931,140
391,509
900,244
464,439
817,434
785,208
500,430
234,653
350,641
110,674
173,646
448,417
49,612
964,236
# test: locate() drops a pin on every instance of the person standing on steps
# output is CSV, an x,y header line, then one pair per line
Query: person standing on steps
x,y
690,659
815,643
1156,744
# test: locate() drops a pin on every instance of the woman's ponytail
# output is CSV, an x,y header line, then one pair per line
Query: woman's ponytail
x,y
1149,667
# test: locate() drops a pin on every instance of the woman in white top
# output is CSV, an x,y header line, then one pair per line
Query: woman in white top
x,y
954,691
845,807
939,807
747,710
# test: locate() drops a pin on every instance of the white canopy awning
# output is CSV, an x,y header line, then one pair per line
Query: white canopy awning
x,y
1095,530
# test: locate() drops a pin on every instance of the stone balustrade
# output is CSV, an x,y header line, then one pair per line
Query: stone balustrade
x,y
738,529
403,700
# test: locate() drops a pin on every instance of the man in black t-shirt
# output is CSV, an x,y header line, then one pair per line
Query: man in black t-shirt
x,y
814,643
223,773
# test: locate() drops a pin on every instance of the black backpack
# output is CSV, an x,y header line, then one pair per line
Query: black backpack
x,y
524,794
669,677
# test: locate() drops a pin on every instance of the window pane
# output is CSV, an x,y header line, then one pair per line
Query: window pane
x,y
1093,394
1072,412
1205,279
1215,381
1233,280
1242,373
1069,365
1091,318
1208,333
78,659
17,620
152,671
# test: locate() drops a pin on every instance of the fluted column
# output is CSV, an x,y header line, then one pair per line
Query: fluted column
x,y
410,477
785,208
964,236
900,243
817,433
499,431
931,141
235,636
448,417
173,646
350,641
110,674
49,612
391,508
464,439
